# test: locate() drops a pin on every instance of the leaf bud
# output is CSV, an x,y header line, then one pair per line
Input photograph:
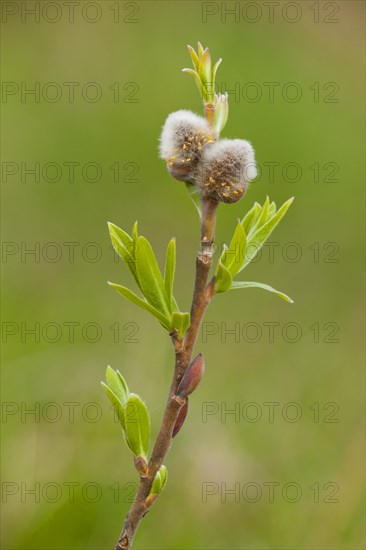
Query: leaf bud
x,y
191,377
180,418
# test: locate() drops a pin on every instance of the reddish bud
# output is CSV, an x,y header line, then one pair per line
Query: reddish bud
x,y
192,377
181,418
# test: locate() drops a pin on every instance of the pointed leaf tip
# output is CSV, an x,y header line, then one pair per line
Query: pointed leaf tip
x,y
133,298
117,384
117,405
250,284
150,278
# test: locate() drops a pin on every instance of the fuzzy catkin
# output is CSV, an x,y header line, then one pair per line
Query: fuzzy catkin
x,y
226,169
184,137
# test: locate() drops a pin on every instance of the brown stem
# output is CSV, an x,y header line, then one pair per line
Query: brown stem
x,y
202,296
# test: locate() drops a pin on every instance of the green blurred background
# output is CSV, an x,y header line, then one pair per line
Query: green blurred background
x,y
320,374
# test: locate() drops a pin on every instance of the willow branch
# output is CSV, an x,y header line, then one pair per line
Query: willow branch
x,y
202,295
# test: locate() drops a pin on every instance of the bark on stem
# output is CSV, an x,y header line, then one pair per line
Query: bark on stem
x,y
202,295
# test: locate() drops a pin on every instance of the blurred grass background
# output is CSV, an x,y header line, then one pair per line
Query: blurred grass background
x,y
151,52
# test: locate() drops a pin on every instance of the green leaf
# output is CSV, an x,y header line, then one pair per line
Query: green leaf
x,y
137,425
164,475
272,209
151,280
233,257
204,72
192,190
159,481
256,241
221,112
123,383
117,405
170,271
194,57
181,322
125,247
214,71
223,279
246,284
132,297
250,218
135,232
117,384
262,218
156,484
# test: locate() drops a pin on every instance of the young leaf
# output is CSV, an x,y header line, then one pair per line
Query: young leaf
x,y
164,475
117,405
180,322
150,278
194,57
159,481
221,112
250,218
272,209
137,425
170,271
214,70
205,73
123,383
246,284
156,484
256,241
233,257
132,297
223,279
117,384
263,217
125,247
118,236
135,232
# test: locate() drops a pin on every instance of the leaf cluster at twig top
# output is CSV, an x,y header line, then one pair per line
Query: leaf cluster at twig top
x,y
138,255
216,105
134,418
249,236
